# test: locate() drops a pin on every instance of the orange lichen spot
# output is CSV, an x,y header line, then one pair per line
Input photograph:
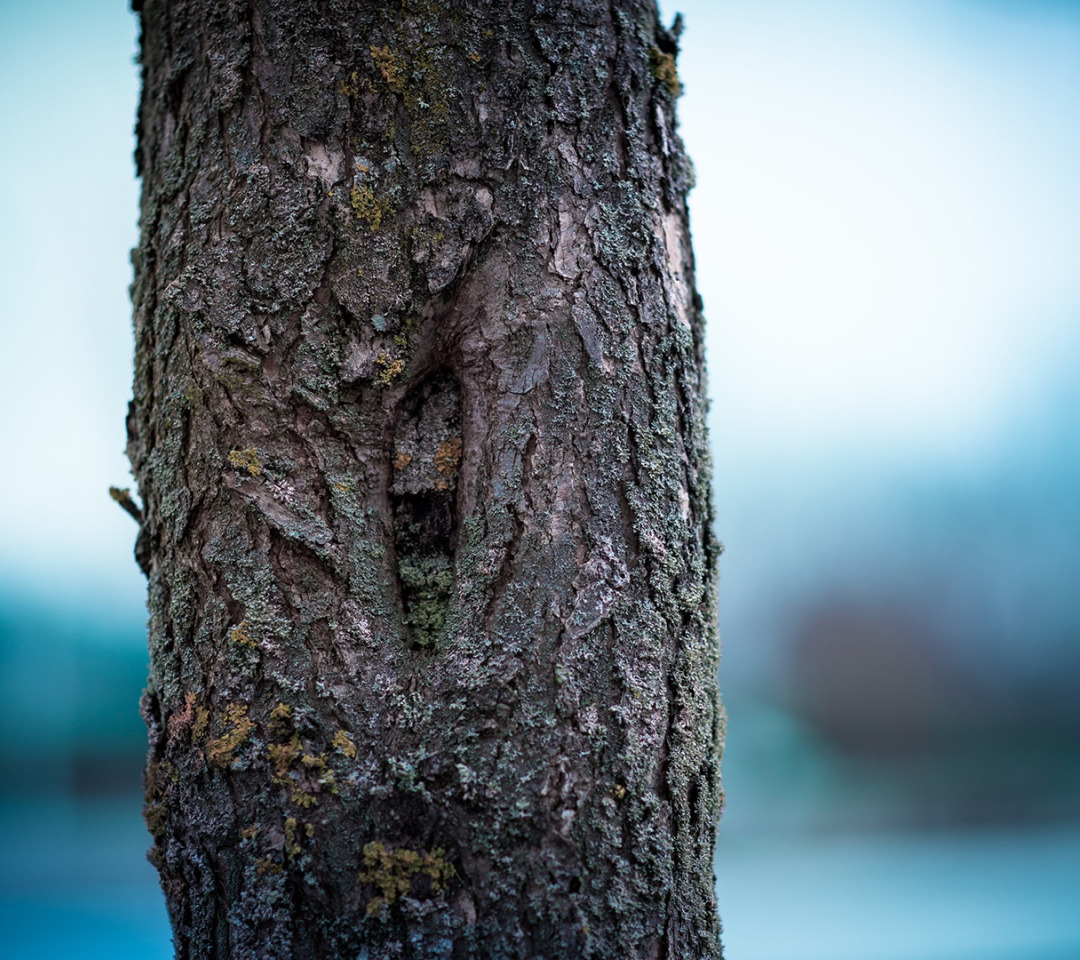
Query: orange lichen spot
x,y
448,456
182,719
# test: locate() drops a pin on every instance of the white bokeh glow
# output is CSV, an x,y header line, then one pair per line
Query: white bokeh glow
x,y
885,219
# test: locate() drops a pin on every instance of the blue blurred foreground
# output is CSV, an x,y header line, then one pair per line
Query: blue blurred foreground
x,y
88,893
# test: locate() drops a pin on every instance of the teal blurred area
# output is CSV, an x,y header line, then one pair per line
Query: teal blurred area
x,y
887,226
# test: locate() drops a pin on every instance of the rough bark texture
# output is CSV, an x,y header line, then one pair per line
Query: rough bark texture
x,y
419,431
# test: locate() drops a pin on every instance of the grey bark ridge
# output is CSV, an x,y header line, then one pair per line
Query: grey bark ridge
x,y
418,428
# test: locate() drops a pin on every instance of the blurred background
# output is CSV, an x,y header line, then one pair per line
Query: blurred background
x,y
887,231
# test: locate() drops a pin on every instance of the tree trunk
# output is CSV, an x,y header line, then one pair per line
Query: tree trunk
x,y
419,430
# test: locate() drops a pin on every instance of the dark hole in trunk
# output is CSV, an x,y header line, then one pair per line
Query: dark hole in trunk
x,y
426,459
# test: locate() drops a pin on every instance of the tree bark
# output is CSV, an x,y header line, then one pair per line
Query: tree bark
x,y
418,425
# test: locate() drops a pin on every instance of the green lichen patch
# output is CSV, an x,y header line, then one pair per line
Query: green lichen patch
x,y
428,450
391,872
247,459
427,583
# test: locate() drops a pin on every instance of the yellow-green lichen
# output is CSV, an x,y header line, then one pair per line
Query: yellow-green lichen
x,y
318,764
239,634
664,69
292,845
390,66
201,724
367,207
292,835
391,872
281,756
219,752
343,742
390,368
351,87
264,866
303,798
247,459
421,82
281,718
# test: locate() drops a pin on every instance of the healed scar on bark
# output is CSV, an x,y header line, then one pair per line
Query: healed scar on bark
x,y
426,458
